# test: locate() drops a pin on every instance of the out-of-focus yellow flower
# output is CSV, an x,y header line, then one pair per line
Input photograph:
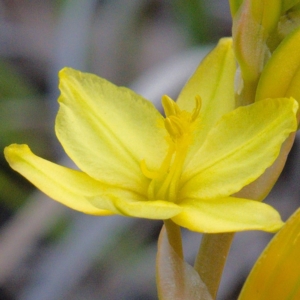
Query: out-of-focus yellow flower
x,y
184,166
276,274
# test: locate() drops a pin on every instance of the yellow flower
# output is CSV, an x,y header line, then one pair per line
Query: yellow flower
x,y
185,166
276,273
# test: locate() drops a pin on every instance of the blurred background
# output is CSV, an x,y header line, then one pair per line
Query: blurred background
x,y
46,250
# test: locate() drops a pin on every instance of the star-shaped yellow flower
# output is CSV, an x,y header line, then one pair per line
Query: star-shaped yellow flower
x,y
185,166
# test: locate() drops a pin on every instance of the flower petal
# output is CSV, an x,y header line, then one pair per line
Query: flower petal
x,y
67,186
213,81
239,148
134,207
276,273
260,188
108,130
227,215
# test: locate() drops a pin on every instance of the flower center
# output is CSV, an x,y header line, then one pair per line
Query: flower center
x,y
179,124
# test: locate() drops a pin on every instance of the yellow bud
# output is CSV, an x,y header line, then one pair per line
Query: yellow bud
x,y
281,75
252,25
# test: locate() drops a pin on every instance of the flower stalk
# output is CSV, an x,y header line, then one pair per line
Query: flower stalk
x,y
174,237
211,259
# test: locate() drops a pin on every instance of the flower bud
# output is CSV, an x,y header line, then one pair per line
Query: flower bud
x,y
281,75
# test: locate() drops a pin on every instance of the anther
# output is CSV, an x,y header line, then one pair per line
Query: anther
x,y
170,107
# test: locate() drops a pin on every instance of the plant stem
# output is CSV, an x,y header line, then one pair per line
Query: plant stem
x,y
211,258
247,95
174,236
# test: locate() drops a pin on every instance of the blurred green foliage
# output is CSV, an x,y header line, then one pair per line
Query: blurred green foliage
x,y
21,116
13,85
200,24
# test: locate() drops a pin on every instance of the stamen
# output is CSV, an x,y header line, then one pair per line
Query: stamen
x,y
196,110
169,106
174,126
149,174
179,125
164,166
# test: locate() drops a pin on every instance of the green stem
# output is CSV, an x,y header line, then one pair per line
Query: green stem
x,y
211,259
247,95
174,236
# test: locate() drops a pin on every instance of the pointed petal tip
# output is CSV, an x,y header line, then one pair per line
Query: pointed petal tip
x,y
68,187
65,70
226,41
275,227
65,74
15,146
13,150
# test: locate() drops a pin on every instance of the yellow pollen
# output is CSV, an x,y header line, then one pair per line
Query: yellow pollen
x,y
180,125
